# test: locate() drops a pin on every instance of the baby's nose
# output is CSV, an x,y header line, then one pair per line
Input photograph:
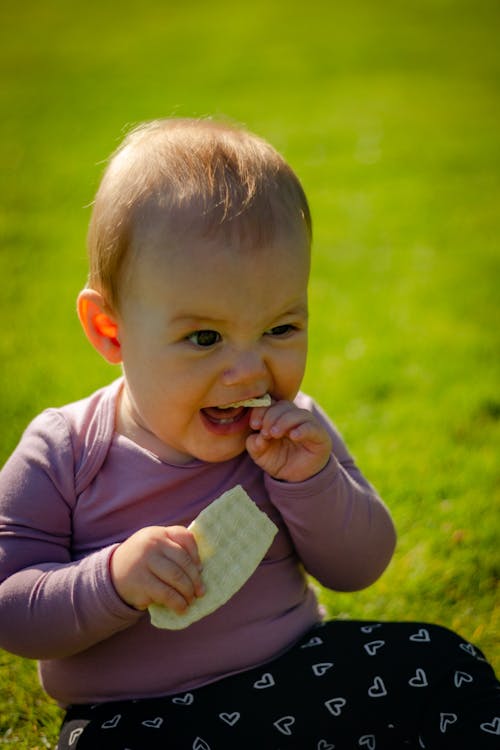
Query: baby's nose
x,y
246,367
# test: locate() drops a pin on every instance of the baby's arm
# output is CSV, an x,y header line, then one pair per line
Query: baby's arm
x,y
341,529
53,610
50,605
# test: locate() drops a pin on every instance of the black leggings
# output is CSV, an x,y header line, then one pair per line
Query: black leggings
x,y
356,685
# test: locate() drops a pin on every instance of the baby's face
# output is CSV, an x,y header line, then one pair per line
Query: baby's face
x,y
203,325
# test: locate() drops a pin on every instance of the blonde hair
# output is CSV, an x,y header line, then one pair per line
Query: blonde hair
x,y
236,183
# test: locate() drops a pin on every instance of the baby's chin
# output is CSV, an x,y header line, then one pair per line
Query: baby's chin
x,y
217,448
205,447
214,455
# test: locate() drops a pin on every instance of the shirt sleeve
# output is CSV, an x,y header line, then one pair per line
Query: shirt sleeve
x,y
50,604
341,529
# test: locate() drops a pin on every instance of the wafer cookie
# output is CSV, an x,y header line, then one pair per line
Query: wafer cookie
x,y
233,536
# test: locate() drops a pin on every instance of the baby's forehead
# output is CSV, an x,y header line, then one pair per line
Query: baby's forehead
x,y
249,233
165,243
195,281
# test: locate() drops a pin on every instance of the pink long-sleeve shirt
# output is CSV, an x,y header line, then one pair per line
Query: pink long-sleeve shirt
x,y
74,489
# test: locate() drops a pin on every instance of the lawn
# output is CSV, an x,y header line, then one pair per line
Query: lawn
x,y
390,114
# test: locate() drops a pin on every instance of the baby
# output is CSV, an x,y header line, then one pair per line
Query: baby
x,y
199,249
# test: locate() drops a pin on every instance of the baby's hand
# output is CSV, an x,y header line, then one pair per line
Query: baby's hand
x,y
160,565
289,444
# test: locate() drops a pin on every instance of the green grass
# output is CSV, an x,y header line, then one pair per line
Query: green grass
x,y
389,112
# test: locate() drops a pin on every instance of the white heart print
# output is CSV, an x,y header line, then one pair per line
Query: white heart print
x,y
266,681
183,700
285,724
314,641
372,647
378,689
421,637
492,727
320,669
74,735
446,720
370,628
335,705
461,678
112,723
368,741
420,679
469,648
153,723
230,719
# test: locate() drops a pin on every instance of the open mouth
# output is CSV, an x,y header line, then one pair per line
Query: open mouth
x,y
224,415
231,414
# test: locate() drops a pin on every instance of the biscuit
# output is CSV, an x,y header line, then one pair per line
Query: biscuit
x,y
261,401
233,536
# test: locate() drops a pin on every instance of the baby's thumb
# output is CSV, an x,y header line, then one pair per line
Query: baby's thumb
x,y
256,445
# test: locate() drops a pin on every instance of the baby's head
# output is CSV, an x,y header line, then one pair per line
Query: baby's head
x,y
199,261
181,176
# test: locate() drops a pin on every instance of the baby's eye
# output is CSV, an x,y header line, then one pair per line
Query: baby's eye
x,y
204,338
282,330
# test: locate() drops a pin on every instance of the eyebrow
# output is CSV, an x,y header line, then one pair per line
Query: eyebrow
x,y
189,320
192,320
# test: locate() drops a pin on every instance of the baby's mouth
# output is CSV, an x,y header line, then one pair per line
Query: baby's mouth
x,y
234,412
224,415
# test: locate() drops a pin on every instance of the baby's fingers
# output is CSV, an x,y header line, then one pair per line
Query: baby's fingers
x,y
286,420
172,586
306,432
290,443
158,564
183,537
170,596
177,564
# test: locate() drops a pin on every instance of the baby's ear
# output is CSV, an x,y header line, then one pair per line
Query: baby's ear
x,y
100,325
